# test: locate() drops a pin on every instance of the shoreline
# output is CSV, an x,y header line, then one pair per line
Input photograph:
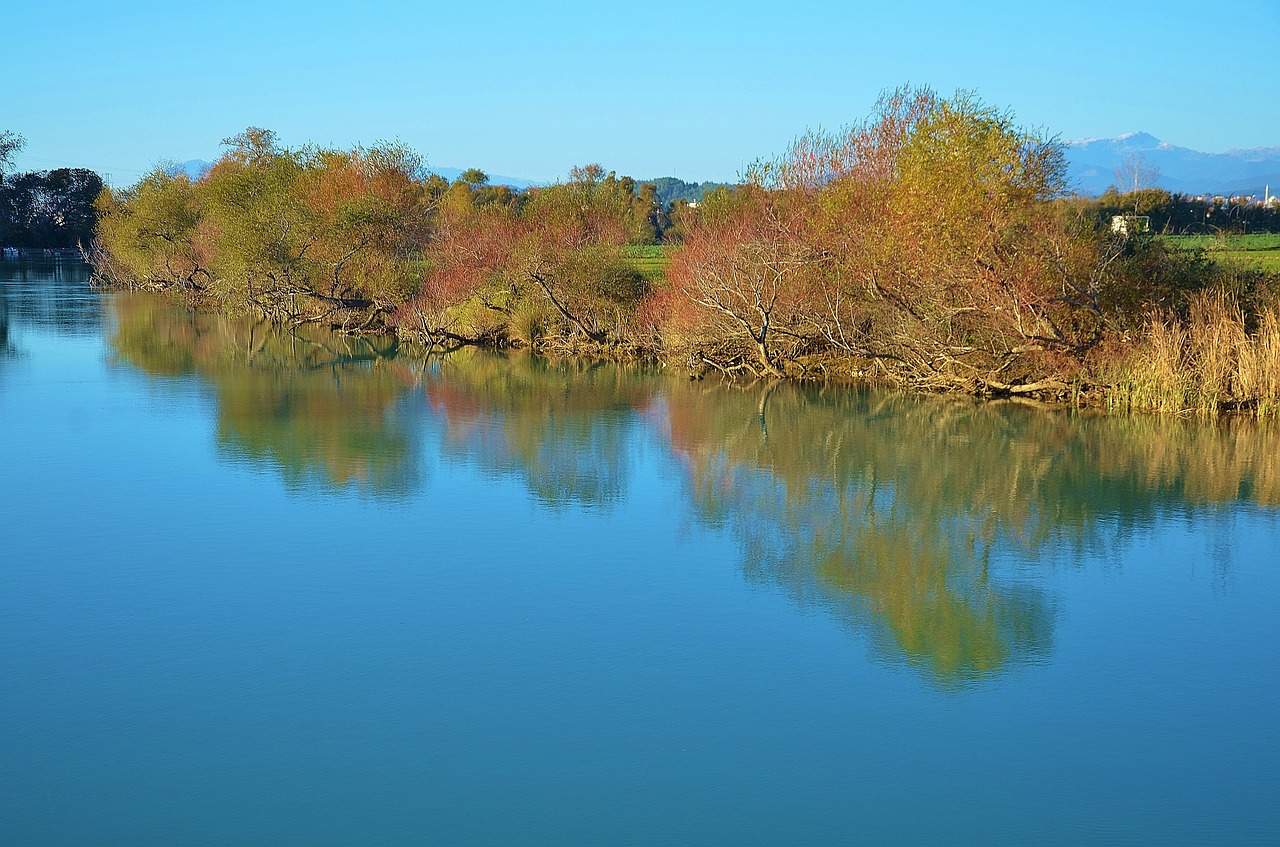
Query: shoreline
x,y
1080,396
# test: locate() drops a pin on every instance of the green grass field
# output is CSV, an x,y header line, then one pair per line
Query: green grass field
x,y
1231,243
1260,259
651,261
1261,251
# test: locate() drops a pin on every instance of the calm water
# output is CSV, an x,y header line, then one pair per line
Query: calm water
x,y
266,589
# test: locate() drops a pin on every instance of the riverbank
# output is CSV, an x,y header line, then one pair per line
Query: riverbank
x,y
928,248
1212,363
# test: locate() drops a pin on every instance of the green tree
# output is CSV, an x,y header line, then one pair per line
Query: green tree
x,y
150,233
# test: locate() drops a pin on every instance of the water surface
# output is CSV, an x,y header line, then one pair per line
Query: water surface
x,y
293,588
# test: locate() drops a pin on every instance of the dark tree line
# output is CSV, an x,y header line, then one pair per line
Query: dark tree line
x,y
671,190
1182,214
49,209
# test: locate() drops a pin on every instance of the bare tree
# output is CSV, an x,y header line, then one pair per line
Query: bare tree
x,y
1136,172
10,143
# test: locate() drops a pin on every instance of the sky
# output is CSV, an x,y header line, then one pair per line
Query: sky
x,y
694,90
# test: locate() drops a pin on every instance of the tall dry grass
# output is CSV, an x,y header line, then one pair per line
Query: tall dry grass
x,y
1204,365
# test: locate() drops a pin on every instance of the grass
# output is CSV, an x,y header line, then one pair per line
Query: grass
x,y
651,261
1207,364
1258,259
1259,250
1234,243
648,251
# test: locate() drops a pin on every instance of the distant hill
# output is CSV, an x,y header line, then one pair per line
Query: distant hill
x,y
1092,163
671,189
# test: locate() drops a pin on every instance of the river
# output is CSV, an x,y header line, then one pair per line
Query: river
x,y
261,587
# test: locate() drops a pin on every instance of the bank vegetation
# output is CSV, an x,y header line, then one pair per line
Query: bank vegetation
x,y
931,246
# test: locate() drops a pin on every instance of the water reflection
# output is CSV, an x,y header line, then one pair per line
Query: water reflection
x,y
7,348
567,429
315,405
880,508
48,294
914,520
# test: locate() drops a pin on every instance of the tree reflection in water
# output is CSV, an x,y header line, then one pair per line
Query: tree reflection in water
x,y
894,510
566,428
313,404
914,520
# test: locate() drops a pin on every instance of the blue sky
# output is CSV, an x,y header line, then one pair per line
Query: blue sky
x,y
694,90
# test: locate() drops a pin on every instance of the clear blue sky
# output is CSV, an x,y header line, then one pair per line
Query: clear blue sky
x,y
687,89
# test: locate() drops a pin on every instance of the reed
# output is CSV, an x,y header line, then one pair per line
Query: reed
x,y
1207,364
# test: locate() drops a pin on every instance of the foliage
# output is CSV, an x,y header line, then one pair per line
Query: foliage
x,y
920,241
299,234
49,209
149,232
930,245
547,266
669,190
367,240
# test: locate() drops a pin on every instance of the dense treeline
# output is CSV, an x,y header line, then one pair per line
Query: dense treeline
x,y
1181,214
42,210
368,239
671,190
930,246
49,209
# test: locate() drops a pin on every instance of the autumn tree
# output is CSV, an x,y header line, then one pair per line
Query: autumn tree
x,y
571,252
750,268
149,234
464,296
919,243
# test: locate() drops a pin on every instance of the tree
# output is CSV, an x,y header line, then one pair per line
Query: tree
x,y
571,252
1136,172
149,234
919,242
749,266
10,143
43,209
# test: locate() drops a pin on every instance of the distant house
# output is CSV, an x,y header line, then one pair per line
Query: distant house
x,y
1126,225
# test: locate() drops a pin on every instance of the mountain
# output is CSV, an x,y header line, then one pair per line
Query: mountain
x,y
1092,163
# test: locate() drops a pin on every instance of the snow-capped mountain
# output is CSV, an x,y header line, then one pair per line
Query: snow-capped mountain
x,y
1093,163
